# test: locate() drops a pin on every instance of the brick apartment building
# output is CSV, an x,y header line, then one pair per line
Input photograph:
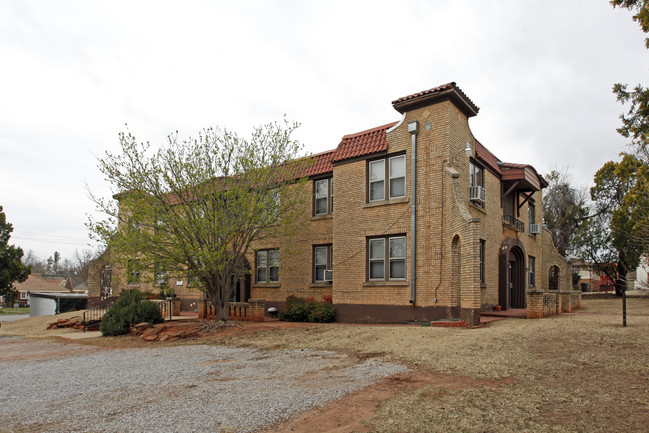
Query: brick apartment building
x,y
413,220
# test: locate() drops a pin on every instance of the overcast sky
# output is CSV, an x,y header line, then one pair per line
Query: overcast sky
x,y
73,73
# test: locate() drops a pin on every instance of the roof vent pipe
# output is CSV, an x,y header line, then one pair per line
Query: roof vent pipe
x,y
413,129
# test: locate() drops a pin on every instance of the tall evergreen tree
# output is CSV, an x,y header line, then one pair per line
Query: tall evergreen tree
x,y
11,267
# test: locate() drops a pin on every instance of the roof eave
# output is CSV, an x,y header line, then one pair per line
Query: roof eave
x,y
456,97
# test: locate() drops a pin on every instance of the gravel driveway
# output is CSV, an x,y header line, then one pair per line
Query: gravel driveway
x,y
174,389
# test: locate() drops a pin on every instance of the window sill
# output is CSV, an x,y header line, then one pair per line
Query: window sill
x,y
319,284
386,202
483,285
325,216
267,285
386,283
477,207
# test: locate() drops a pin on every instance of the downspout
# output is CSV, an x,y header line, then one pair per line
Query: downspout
x,y
413,129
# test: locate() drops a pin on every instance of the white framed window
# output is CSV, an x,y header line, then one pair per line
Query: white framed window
x,y
397,176
133,272
387,258
267,266
23,295
394,170
482,260
532,271
323,196
322,261
161,275
478,193
377,180
377,259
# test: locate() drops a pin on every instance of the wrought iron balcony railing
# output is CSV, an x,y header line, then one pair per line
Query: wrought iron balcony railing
x,y
514,223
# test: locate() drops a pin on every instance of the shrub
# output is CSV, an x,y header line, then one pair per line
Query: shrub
x,y
307,310
294,310
130,308
321,312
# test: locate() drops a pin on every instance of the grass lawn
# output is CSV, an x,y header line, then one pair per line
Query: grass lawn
x,y
20,310
580,372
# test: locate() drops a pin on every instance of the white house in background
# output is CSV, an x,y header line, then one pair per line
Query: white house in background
x,y
638,279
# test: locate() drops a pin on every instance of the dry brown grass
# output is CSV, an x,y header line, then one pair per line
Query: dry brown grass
x,y
36,327
576,372
580,372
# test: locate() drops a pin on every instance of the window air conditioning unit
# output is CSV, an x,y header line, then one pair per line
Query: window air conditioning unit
x,y
328,275
535,229
478,193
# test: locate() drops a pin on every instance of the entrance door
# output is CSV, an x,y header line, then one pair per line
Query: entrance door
x,y
511,285
240,289
516,279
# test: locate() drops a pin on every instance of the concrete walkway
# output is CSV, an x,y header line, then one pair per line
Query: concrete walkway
x,y
12,317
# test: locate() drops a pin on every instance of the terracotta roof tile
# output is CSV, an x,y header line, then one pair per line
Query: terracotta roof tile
x,y
447,86
322,163
484,155
426,97
363,143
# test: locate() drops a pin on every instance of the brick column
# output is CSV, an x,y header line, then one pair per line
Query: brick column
x,y
256,310
535,304
175,306
202,308
566,301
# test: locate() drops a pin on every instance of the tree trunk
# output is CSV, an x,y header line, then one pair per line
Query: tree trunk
x,y
219,295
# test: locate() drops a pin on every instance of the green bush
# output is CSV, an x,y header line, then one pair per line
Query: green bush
x,y
130,308
321,312
294,310
307,310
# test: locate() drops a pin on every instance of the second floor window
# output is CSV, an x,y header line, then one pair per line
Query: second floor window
x,y
476,175
267,266
323,196
531,213
476,180
387,178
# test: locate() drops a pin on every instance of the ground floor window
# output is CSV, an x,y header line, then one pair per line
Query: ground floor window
x,y
322,261
387,258
267,266
532,271
482,260
133,272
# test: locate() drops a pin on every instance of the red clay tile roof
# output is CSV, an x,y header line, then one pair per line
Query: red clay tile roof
x,y
426,97
322,163
447,86
483,154
363,143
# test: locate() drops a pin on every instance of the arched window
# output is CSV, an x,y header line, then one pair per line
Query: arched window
x,y
553,280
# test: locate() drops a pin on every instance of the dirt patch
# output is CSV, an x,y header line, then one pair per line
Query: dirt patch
x,y
20,349
351,413
575,372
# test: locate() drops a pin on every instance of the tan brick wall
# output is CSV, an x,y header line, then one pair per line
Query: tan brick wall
x,y
449,230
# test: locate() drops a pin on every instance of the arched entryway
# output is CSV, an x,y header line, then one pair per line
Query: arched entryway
x,y
241,287
511,279
553,278
456,271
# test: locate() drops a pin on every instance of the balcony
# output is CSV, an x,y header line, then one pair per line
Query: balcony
x,y
510,221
